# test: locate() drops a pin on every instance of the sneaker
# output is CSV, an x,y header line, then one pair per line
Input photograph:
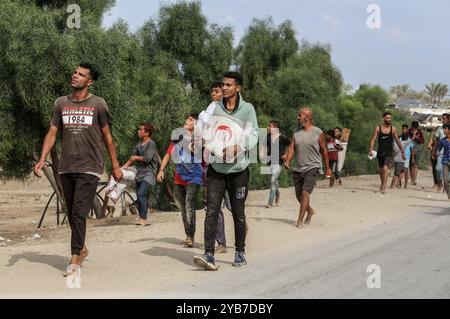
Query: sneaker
x,y
221,249
268,205
205,261
239,259
189,242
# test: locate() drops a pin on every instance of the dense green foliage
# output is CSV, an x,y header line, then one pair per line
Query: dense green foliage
x,y
162,72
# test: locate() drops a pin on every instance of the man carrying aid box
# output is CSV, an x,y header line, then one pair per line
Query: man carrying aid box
x,y
228,170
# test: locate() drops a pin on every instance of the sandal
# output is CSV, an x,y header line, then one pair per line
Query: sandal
x,y
71,270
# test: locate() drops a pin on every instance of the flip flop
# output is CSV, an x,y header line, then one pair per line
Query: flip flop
x,y
71,270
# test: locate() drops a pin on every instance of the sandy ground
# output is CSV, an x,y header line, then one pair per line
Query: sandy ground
x,y
127,261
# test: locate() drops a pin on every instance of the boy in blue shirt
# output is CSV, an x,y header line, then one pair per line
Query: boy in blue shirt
x,y
444,143
188,176
406,143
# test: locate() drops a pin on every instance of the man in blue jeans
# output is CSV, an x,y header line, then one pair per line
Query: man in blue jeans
x,y
276,154
145,159
228,171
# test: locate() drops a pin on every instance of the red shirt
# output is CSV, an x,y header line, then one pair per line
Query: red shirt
x,y
332,151
419,137
177,179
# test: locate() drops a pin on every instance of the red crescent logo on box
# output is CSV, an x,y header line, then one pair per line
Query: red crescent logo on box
x,y
224,132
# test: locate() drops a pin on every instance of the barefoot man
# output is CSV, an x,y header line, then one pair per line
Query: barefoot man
x,y
386,134
307,145
84,121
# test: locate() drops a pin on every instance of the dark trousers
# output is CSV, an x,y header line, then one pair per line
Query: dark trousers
x,y
237,186
187,196
220,235
142,189
79,192
433,169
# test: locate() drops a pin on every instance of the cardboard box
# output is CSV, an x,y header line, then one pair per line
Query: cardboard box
x,y
345,134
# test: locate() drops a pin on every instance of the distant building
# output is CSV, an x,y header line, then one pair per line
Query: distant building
x,y
428,116
409,104
429,119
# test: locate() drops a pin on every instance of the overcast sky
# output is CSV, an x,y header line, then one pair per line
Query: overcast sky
x,y
412,45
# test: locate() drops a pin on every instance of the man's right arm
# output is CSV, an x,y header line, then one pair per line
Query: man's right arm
x,y
290,153
372,141
165,161
431,143
47,146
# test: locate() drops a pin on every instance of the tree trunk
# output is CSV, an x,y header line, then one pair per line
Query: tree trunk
x,y
50,174
55,164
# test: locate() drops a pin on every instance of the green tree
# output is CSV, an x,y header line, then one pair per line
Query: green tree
x,y
404,92
308,79
263,50
372,96
442,92
202,52
399,92
38,55
436,92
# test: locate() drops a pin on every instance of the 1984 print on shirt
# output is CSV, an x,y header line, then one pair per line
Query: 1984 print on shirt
x,y
77,116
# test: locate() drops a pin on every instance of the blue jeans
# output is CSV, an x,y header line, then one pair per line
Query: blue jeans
x,y
439,174
275,171
142,189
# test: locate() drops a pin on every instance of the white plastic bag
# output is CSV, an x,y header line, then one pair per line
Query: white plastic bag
x,y
373,155
115,189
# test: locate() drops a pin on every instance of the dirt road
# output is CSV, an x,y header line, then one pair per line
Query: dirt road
x,y
404,232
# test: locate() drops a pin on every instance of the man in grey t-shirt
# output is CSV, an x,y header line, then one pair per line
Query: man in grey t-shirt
x,y
84,122
308,144
145,159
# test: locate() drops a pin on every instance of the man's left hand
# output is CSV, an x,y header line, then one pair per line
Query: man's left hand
x,y
117,174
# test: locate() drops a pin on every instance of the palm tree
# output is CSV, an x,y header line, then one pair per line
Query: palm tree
x,y
400,92
442,92
432,90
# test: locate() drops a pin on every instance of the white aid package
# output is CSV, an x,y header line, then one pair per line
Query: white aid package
x,y
115,189
219,132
